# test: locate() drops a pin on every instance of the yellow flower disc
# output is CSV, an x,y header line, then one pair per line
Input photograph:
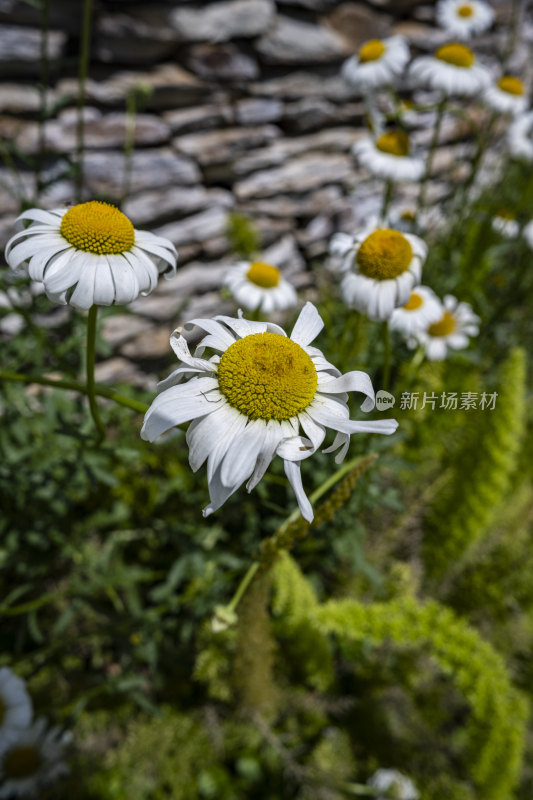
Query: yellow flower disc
x,y
444,326
384,254
263,275
504,213
267,376
98,228
371,51
394,142
414,302
511,85
457,54
21,762
465,11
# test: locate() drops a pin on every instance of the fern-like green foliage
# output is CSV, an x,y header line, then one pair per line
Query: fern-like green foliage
x,y
243,235
494,733
464,511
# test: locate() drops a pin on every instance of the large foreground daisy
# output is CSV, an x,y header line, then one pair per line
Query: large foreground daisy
x,y
377,63
260,286
15,706
451,332
248,401
388,157
90,254
33,760
382,267
452,70
464,18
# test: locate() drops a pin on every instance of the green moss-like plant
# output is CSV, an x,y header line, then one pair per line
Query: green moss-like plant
x,y
464,511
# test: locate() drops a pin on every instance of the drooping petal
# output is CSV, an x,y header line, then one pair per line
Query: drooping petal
x,y
355,381
242,454
292,471
307,326
180,404
273,436
181,348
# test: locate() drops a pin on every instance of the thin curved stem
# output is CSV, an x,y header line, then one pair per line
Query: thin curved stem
x,y
75,386
387,197
85,48
91,353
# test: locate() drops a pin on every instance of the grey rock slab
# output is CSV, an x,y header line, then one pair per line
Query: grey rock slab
x,y
152,168
215,147
224,20
20,49
291,41
166,86
298,85
330,199
424,37
200,118
302,174
196,229
152,207
355,23
158,307
258,111
122,370
222,62
100,131
196,278
138,36
314,113
15,98
285,255
153,343
119,328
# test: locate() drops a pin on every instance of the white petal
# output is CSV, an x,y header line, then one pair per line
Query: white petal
x,y
308,325
83,294
295,448
273,435
355,381
104,288
179,404
218,331
125,279
181,348
242,454
292,471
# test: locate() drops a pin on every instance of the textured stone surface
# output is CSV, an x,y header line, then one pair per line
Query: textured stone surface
x,y
19,99
119,328
354,23
152,207
222,62
221,21
150,169
141,36
197,228
291,41
301,174
221,146
198,118
20,49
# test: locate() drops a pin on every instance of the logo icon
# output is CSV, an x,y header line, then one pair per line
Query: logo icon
x,y
384,400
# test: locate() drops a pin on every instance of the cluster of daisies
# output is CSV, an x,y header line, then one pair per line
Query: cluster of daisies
x,y
452,70
31,754
381,272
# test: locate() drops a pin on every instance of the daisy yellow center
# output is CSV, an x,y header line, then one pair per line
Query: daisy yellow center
x,y
414,302
394,142
371,51
465,11
263,275
21,762
459,55
511,85
504,213
444,326
384,254
98,228
408,215
267,376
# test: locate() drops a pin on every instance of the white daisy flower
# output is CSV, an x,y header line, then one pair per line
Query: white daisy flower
x,y
528,233
15,706
451,70
33,760
520,137
383,267
393,785
464,18
505,224
256,285
92,249
507,96
451,332
378,63
421,310
388,157
247,402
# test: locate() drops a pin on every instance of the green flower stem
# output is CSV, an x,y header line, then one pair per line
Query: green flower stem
x,y
85,48
386,356
75,386
91,352
431,154
387,197
282,539
483,142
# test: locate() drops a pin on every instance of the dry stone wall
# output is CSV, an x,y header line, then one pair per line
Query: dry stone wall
x,y
242,108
